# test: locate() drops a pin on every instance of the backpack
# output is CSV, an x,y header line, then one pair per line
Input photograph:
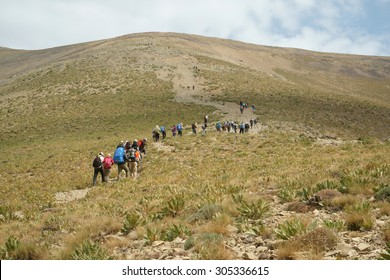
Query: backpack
x,y
97,162
179,127
107,163
118,155
131,154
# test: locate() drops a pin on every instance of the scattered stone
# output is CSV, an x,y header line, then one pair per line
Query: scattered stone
x,y
157,243
363,246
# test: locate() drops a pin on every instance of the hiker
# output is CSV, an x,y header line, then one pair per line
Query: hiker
x,y
163,132
246,127
135,144
194,126
180,129
242,127
142,146
141,149
241,109
235,126
218,127
255,123
156,133
204,127
174,130
97,168
251,123
107,163
120,160
206,119
132,161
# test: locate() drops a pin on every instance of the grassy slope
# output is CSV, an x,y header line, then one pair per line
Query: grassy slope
x,y
55,117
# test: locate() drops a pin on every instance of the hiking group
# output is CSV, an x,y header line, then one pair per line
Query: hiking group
x,y
127,156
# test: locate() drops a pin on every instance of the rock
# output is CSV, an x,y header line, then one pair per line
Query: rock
x,y
363,246
133,235
249,256
332,253
344,249
262,249
259,241
115,238
178,240
157,243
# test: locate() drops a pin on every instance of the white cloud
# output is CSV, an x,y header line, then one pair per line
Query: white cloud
x,y
309,24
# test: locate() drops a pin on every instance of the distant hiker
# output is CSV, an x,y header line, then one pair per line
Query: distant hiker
x,y
251,123
235,126
246,127
156,133
107,163
253,107
142,145
255,123
120,160
241,109
206,119
163,132
194,126
180,129
218,126
204,127
174,130
242,127
97,168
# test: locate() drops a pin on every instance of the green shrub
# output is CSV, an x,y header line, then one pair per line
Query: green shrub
x,y
253,210
174,206
175,231
132,220
383,193
205,213
335,225
292,228
386,256
89,250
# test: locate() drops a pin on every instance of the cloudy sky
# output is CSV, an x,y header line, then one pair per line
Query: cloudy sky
x,y
343,26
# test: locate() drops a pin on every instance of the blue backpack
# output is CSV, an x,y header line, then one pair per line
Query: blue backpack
x,y
119,155
179,127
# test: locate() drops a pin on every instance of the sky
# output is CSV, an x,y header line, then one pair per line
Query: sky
x,y
340,26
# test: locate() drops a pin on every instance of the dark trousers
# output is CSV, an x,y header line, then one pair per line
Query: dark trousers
x,y
96,171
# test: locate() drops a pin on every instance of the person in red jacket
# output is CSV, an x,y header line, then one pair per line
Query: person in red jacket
x,y
107,163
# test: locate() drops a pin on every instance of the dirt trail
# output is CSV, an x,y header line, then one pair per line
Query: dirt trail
x,y
189,89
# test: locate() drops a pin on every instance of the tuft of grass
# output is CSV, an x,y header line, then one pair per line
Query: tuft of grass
x,y
292,227
15,249
337,225
383,193
89,250
209,246
131,221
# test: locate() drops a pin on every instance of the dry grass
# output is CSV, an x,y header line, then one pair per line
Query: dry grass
x,y
54,118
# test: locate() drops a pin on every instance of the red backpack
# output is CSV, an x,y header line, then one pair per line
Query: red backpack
x,y
108,162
